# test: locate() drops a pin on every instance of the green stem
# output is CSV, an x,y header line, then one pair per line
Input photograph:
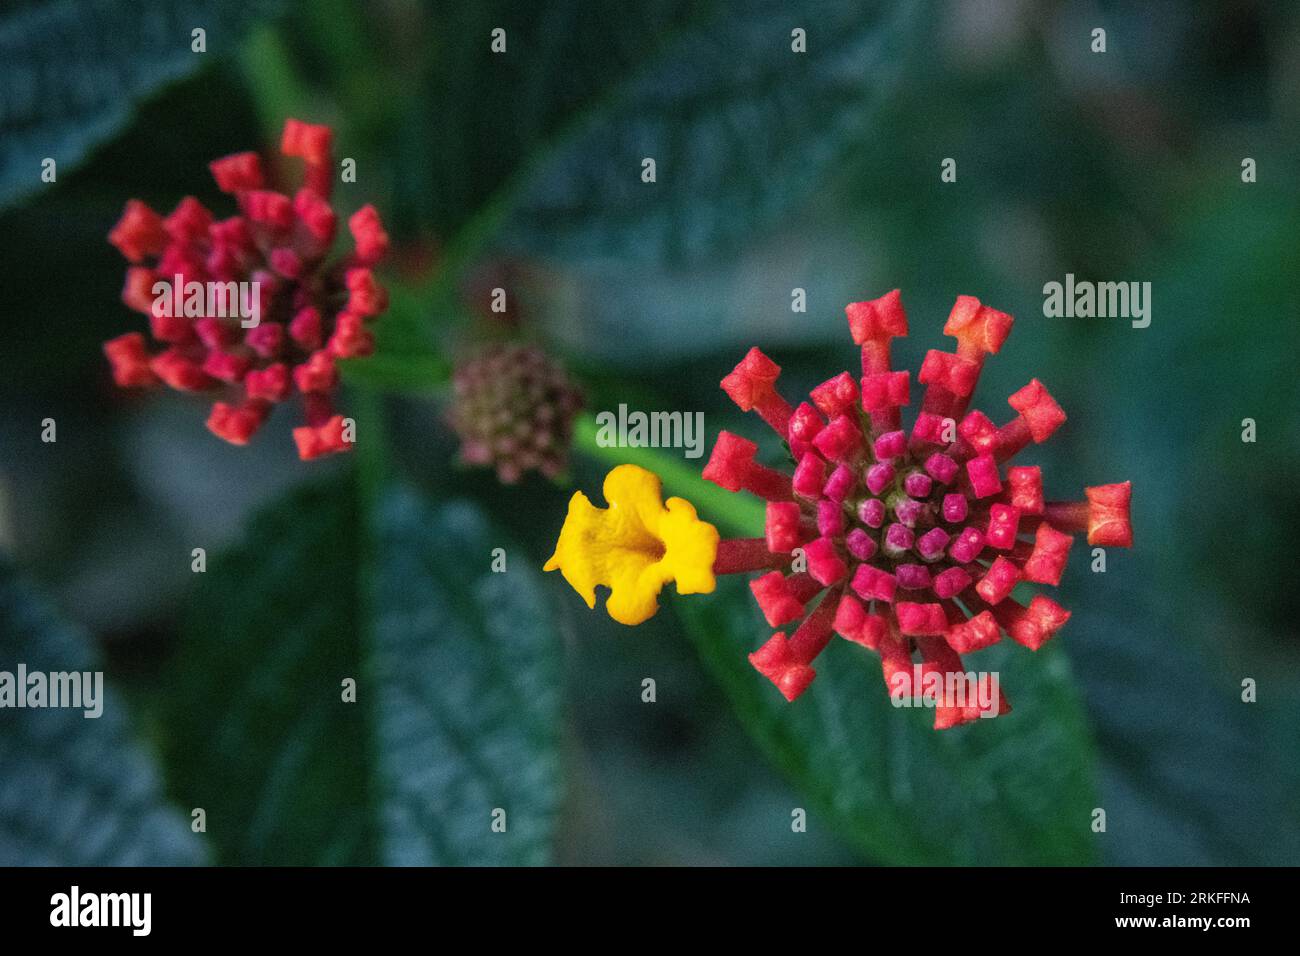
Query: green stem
x,y
738,513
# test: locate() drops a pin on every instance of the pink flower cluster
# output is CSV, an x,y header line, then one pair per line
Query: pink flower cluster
x,y
311,312
916,538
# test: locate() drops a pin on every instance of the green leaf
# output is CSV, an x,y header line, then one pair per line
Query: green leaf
x,y
455,668
482,115
1014,790
1191,775
72,70
746,136
546,150
466,666
75,790
647,317
257,732
741,128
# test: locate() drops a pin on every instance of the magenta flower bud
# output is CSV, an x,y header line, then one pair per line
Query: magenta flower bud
x,y
967,546
840,439
872,512
898,539
954,508
917,485
908,511
804,425
836,396
983,472
942,468
809,476
839,484
824,564
782,528
830,518
879,476
926,620
913,577
860,545
952,582
1003,522
929,429
931,544
873,584
891,445
979,432
778,598
998,581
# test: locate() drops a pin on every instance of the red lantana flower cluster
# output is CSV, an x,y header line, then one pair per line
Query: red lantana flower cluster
x,y
915,540
311,312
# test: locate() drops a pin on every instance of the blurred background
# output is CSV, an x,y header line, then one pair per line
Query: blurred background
x,y
775,170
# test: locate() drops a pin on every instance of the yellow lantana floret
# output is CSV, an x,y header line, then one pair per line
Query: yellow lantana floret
x,y
635,546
